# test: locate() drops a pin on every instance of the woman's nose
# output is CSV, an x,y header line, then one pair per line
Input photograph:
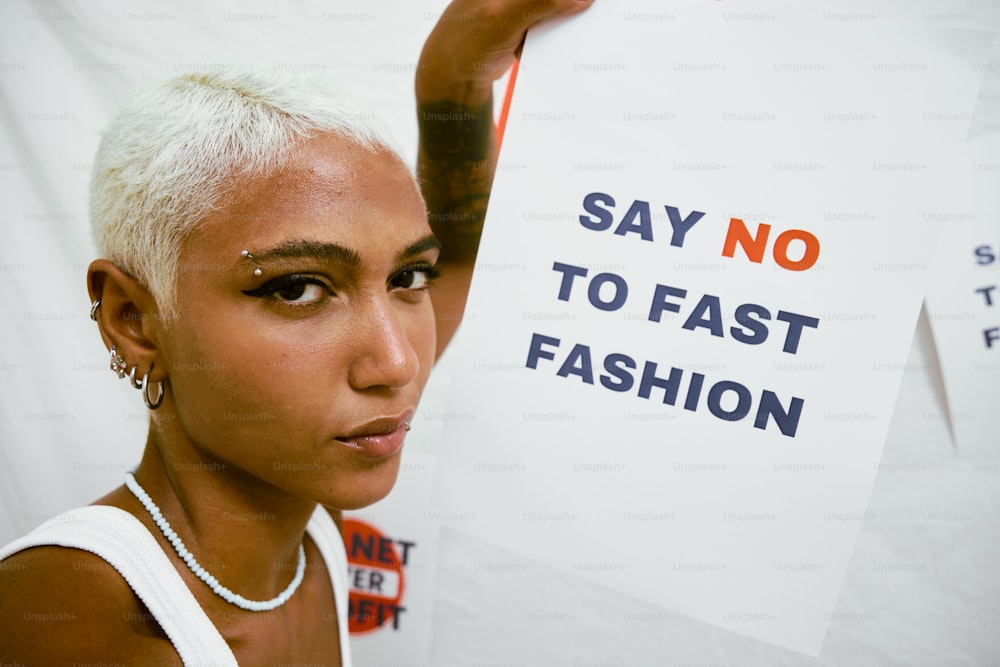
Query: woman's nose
x,y
384,355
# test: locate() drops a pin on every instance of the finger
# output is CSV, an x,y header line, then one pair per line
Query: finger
x,y
504,22
475,42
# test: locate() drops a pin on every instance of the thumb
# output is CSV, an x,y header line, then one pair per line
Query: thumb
x,y
476,41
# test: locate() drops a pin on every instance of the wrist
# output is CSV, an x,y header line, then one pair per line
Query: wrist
x,y
433,85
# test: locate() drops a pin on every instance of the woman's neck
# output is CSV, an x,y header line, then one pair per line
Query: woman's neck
x,y
243,531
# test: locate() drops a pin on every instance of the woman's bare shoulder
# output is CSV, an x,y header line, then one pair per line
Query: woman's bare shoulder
x,y
62,606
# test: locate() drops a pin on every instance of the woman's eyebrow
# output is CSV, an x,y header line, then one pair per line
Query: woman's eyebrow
x,y
300,249
429,242
332,252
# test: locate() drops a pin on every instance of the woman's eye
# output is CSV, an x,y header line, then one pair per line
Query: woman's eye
x,y
295,289
415,277
300,293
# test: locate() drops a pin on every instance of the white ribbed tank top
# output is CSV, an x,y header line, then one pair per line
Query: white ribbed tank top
x,y
121,540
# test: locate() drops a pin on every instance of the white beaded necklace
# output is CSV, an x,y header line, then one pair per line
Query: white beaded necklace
x,y
200,572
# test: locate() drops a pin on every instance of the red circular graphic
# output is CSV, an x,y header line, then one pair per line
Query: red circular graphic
x,y
375,578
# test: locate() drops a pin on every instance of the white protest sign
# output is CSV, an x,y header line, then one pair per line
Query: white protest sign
x,y
704,258
963,304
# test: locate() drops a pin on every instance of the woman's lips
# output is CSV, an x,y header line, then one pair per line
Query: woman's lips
x,y
379,438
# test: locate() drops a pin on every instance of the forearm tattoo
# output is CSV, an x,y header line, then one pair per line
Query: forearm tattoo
x,y
455,168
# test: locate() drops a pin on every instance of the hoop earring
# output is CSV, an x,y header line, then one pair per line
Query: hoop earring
x,y
131,376
144,386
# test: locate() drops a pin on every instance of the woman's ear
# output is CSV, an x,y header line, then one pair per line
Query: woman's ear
x,y
128,317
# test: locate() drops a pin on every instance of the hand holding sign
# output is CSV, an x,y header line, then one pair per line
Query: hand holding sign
x,y
724,357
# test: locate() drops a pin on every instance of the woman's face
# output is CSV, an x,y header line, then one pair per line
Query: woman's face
x,y
303,375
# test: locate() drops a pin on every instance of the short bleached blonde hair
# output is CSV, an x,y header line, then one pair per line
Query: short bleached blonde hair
x,y
173,154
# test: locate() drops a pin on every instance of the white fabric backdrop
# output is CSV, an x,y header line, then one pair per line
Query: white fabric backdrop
x,y
922,588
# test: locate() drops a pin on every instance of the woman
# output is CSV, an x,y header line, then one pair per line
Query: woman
x,y
265,288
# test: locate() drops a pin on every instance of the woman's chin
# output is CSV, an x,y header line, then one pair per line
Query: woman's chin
x,y
363,489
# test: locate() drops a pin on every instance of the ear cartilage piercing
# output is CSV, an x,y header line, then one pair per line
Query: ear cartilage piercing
x,y
258,271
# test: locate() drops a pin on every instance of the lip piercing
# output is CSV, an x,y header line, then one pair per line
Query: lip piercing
x,y
258,271
406,426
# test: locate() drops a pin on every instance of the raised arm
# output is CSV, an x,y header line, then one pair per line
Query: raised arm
x,y
473,44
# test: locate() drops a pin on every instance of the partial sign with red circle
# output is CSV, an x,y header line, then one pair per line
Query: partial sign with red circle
x,y
376,575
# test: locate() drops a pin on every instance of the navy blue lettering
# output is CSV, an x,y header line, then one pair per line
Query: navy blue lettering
x,y
669,385
681,225
984,255
660,303
992,335
615,365
694,391
639,209
710,304
795,324
742,408
591,204
594,291
750,331
570,273
578,363
535,351
770,406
